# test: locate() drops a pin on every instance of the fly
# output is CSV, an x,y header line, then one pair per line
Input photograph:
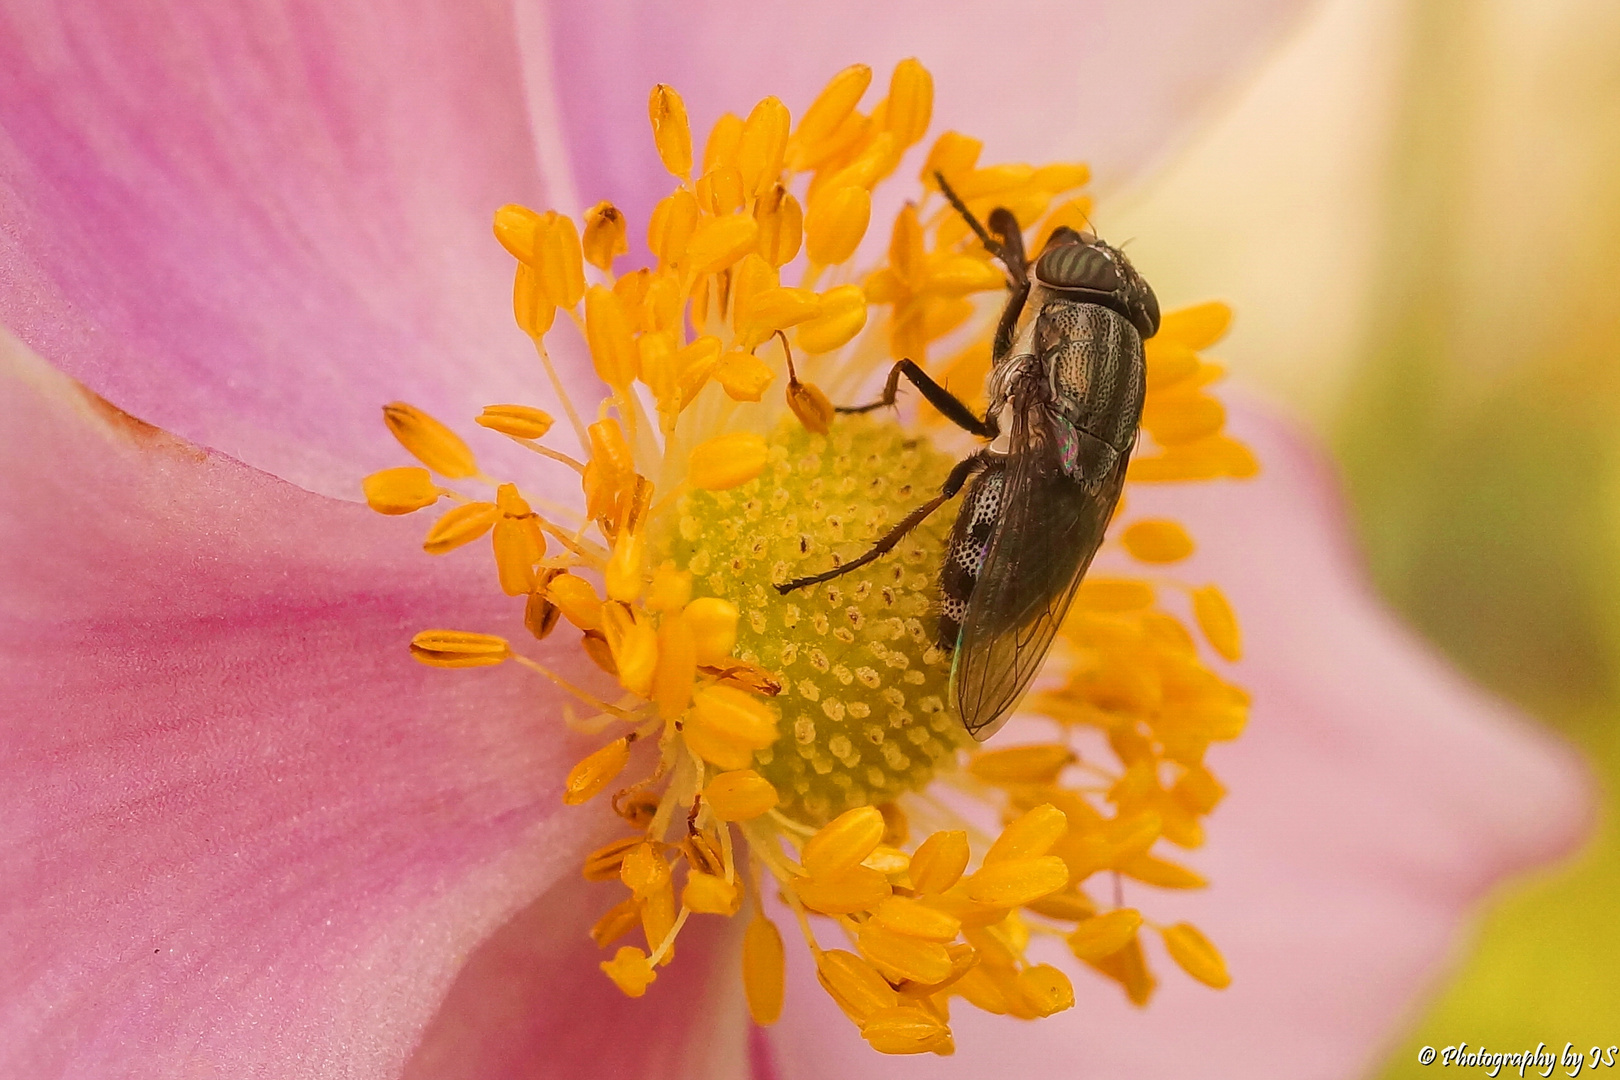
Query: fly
x,y
1065,401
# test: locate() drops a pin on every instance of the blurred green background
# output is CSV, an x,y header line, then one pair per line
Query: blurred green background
x,y
1415,210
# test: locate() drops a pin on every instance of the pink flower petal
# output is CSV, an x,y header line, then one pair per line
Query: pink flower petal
x,y
253,225
1110,82
243,833
1374,799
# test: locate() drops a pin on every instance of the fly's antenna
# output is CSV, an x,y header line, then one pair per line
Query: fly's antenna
x,y
995,247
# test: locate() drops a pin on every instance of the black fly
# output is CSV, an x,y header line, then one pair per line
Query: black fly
x,y
1065,391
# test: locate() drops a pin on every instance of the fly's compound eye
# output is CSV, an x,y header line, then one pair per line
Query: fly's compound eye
x,y
1145,312
1077,266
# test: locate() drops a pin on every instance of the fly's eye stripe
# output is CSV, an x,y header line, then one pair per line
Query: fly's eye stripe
x,y
1077,266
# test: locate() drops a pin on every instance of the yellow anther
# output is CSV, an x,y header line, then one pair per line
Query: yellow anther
x,y
519,544
743,376
900,956
677,666
596,772
872,164
607,331
605,235
458,648
670,228
632,289
1114,594
720,241
671,133
623,576
558,260
714,628
938,862
726,726
1216,620
854,984
671,589
994,180
1163,873
901,915
1198,790
764,970
531,308
607,861
832,107
764,139
630,971
1017,881
429,441
1197,327
906,1029
907,255
775,309
842,316
841,844
724,139
751,277
1046,989
658,918
1182,414
861,889
1035,833
887,860
634,644
619,920
644,870
720,191
1168,362
460,525
518,421
959,275
910,104
739,796
781,225
610,449
515,229
1196,955
953,154
1157,541
1037,764
1061,176
577,601
836,223
727,460
707,894
400,491
1105,934
1067,906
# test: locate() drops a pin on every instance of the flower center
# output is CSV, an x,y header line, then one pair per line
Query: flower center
x,y
863,711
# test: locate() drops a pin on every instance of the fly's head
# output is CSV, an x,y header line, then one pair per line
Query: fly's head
x,y
1078,266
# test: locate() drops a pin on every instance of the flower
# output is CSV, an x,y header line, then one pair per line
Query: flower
x,y
243,834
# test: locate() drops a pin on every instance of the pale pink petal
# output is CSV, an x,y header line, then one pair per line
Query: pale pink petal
x,y
1375,798
243,833
254,224
1112,82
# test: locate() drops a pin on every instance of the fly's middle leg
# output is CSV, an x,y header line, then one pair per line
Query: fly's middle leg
x,y
949,405
953,484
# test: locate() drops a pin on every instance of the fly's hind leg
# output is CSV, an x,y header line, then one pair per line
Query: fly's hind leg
x,y
949,405
953,484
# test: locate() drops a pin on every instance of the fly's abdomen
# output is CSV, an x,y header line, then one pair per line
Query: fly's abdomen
x,y
964,557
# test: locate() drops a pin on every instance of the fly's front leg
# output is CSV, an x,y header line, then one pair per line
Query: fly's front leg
x,y
953,484
948,404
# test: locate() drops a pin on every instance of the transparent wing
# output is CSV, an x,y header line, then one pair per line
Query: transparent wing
x,y
1050,529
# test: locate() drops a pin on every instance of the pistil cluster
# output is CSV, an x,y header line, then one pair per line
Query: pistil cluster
x,y
807,763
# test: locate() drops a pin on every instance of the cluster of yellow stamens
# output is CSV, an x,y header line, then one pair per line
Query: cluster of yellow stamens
x,y
795,735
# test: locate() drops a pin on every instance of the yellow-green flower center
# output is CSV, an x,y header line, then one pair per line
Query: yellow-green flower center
x,y
863,681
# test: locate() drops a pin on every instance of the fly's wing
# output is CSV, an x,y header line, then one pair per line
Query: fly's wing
x,y
1050,528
